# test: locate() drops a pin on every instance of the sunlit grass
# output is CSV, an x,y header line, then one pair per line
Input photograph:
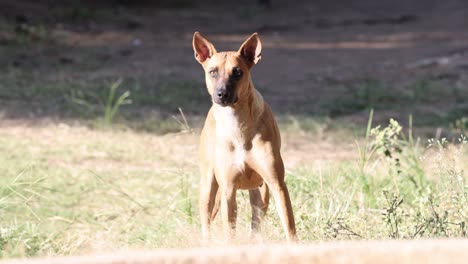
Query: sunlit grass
x,y
71,190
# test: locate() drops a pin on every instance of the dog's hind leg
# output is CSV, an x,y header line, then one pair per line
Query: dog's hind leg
x,y
259,200
272,172
216,205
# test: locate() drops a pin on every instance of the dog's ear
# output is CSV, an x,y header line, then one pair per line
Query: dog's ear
x,y
251,49
202,47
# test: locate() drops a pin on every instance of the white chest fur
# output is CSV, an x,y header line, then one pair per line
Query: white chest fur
x,y
230,134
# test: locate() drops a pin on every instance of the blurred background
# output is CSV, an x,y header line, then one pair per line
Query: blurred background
x,y
101,103
131,63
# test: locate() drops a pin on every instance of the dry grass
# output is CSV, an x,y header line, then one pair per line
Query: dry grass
x,y
68,190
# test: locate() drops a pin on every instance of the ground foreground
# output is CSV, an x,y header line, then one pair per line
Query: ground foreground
x,y
402,252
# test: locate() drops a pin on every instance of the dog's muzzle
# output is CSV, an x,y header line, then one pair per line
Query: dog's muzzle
x,y
224,96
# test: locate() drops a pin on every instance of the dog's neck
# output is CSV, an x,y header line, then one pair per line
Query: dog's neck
x,y
239,117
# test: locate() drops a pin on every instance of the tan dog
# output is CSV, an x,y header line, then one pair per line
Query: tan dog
x,y
240,141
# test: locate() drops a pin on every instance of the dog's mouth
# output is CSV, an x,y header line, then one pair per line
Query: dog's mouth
x,y
225,101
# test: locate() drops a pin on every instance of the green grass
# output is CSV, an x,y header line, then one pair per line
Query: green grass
x,y
436,101
53,205
390,193
366,94
71,190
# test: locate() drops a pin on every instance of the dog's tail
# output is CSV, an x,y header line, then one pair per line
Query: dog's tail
x,y
216,205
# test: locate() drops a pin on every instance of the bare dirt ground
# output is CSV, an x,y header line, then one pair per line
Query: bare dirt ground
x,y
320,58
422,251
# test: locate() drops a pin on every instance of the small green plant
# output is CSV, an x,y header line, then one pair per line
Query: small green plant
x,y
340,228
377,140
448,213
387,143
186,199
386,140
365,155
91,103
393,214
460,125
185,127
438,221
113,103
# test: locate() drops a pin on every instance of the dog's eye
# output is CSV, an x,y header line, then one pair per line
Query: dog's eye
x,y
213,73
237,72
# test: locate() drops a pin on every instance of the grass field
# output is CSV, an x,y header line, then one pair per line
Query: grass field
x,y
68,189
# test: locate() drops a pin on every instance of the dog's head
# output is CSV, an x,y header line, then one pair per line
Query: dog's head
x,y
227,74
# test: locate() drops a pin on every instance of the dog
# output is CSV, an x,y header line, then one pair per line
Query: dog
x,y
240,141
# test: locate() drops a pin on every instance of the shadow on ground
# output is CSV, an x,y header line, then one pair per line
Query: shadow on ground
x,y
324,59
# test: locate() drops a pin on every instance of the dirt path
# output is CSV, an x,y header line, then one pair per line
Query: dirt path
x,y
323,58
422,251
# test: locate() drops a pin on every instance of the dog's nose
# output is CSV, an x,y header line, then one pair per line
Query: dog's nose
x,y
222,93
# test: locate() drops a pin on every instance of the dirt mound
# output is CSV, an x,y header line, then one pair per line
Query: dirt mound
x,y
411,251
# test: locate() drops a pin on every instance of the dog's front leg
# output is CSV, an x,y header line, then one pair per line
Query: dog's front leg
x,y
225,176
229,210
208,190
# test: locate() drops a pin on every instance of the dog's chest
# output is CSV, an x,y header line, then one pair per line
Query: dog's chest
x,y
231,134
